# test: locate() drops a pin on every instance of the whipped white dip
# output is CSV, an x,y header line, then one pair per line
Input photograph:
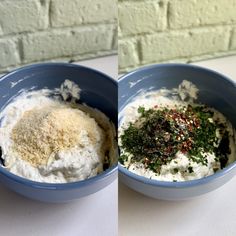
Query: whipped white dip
x,y
180,168
68,165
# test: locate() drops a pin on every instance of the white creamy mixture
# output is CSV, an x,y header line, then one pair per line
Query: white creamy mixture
x,y
80,162
185,94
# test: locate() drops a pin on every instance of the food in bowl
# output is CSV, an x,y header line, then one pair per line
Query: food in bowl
x,y
47,136
166,135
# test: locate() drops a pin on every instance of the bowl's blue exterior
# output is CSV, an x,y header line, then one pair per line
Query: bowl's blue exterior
x,y
215,90
98,90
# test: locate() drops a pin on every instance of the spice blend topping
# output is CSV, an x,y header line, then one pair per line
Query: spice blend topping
x,y
159,134
43,132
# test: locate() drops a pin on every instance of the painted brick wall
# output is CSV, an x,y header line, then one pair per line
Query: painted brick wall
x,y
45,30
153,31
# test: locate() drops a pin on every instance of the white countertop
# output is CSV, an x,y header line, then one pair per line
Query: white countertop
x,y
95,215
213,214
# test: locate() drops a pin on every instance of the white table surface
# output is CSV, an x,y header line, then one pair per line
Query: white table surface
x,y
213,214
95,215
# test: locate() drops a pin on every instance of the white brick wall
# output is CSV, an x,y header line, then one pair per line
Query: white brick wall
x,y
141,17
153,31
82,12
67,42
9,55
176,44
189,13
128,53
38,30
23,16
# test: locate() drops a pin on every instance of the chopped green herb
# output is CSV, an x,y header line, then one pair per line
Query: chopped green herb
x,y
190,169
123,158
141,110
158,134
176,170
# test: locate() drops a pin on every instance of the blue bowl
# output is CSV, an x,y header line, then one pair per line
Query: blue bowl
x,y
216,91
98,90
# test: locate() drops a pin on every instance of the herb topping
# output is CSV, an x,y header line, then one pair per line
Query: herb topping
x,y
159,133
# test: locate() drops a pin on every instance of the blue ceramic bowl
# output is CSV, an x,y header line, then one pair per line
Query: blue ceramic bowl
x,y
215,90
98,90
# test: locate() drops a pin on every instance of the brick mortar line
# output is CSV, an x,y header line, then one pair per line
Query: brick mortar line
x,y
20,49
211,56
139,51
205,25
114,37
15,35
194,58
24,61
78,57
191,57
168,15
49,14
53,30
138,36
231,38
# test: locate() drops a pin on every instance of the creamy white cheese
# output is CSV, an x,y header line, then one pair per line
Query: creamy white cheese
x,y
181,163
185,94
77,163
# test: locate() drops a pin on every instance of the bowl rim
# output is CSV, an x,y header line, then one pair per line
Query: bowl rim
x,y
58,186
64,64
171,184
195,67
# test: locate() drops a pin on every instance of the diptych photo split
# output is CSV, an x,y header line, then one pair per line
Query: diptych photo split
x,y
117,118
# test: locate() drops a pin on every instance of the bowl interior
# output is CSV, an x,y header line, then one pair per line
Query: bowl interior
x,y
215,90
98,90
